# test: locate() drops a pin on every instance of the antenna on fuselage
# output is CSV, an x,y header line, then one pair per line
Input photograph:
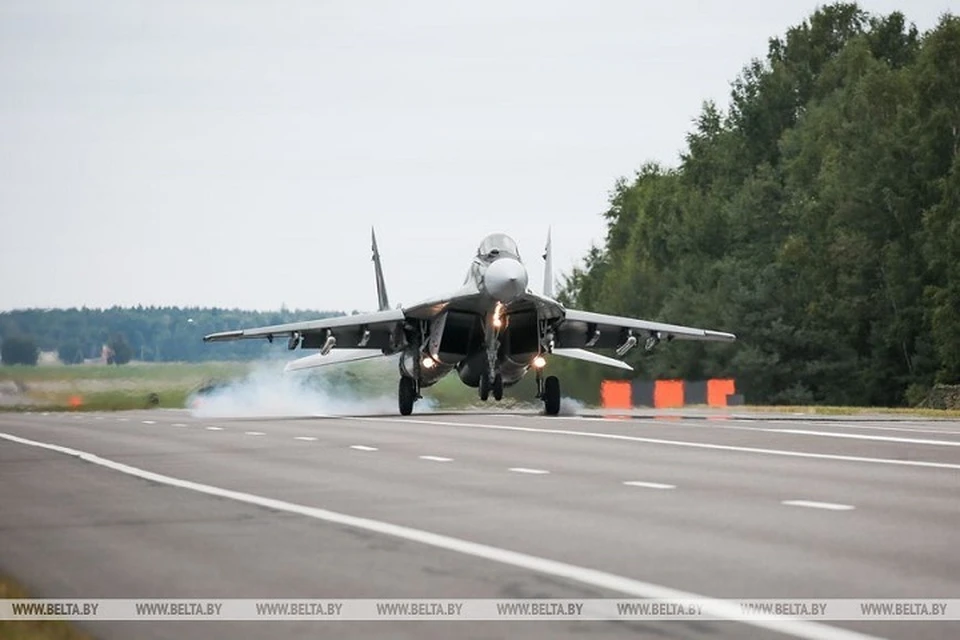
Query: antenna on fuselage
x,y
548,267
382,298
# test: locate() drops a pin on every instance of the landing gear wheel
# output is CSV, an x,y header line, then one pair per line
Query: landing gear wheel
x,y
407,395
551,395
484,387
498,388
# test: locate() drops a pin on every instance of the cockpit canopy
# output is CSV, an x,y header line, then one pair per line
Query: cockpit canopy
x,y
496,245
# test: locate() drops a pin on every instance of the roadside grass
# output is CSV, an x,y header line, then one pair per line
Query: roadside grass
x,y
147,371
110,388
33,629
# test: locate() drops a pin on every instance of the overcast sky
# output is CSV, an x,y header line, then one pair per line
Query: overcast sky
x,y
236,153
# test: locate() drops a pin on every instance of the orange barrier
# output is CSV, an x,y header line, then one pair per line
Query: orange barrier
x,y
718,390
615,394
668,394
75,402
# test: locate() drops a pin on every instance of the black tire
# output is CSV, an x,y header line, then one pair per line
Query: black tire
x,y
551,396
407,395
484,387
498,388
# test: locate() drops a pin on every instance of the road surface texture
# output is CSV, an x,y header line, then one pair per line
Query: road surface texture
x,y
711,503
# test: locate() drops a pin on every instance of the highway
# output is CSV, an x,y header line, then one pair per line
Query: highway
x,y
483,505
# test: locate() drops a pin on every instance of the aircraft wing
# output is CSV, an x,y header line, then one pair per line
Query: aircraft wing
x,y
598,330
375,330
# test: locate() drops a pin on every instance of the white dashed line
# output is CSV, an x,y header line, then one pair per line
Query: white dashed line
x,y
149,422
179,424
254,433
830,506
305,438
436,458
672,443
214,428
121,419
362,447
649,485
532,471
584,575
98,417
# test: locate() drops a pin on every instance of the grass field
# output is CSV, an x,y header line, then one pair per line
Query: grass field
x,y
170,385
106,387
33,629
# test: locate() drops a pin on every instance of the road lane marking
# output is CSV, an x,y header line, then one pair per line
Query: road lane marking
x,y
305,438
436,458
122,419
254,433
584,575
531,471
674,443
862,436
744,424
361,447
649,485
149,422
178,424
214,428
831,506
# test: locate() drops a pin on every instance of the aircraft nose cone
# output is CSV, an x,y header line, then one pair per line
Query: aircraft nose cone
x,y
505,279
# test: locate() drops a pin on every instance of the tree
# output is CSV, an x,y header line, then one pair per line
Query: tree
x,y
816,218
19,349
120,350
70,352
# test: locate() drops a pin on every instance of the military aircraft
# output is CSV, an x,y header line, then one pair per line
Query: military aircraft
x,y
492,331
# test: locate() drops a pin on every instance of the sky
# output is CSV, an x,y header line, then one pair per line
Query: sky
x,y
236,153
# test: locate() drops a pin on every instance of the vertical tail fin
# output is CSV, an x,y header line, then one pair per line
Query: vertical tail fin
x,y
548,268
382,298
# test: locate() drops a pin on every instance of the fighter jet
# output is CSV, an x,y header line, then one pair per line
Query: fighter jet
x,y
491,331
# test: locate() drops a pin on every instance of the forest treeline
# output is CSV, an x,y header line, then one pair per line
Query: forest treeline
x,y
154,334
817,216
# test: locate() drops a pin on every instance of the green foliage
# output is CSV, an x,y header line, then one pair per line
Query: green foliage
x,y
70,352
151,334
120,351
818,218
19,349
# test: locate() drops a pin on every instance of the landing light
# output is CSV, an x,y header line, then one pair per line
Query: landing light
x,y
539,362
427,362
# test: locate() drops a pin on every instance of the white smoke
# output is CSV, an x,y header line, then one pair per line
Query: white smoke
x,y
268,392
570,407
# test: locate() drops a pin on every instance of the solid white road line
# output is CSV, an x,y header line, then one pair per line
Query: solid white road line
x,y
305,438
831,506
649,485
436,458
362,447
531,471
674,443
214,428
254,433
747,424
583,575
861,436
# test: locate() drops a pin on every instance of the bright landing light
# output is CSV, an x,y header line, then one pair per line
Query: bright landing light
x,y
539,362
427,362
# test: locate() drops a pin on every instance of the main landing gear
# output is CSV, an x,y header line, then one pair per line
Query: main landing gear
x,y
548,390
407,395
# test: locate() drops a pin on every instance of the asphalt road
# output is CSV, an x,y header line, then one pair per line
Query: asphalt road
x,y
708,503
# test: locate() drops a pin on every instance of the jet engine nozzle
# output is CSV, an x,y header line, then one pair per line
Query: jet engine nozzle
x,y
505,279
